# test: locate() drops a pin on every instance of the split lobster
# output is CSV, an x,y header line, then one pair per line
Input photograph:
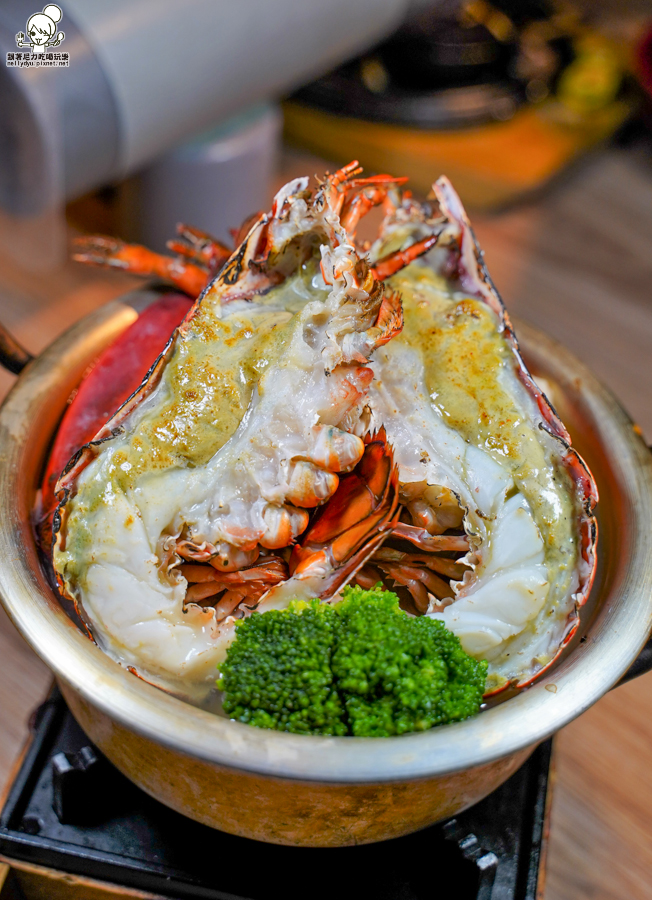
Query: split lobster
x,y
304,427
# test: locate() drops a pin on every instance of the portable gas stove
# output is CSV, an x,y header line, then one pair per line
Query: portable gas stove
x,y
73,826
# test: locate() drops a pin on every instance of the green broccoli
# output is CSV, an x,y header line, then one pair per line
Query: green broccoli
x,y
397,673
361,667
278,674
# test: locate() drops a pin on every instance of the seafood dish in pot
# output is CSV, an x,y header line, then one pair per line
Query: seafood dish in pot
x,y
328,413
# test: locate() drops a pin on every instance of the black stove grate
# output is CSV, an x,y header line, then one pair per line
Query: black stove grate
x,y
107,829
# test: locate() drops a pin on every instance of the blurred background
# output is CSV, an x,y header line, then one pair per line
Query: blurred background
x,y
539,111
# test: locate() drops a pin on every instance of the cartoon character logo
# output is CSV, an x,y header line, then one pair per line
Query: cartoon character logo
x,y
42,30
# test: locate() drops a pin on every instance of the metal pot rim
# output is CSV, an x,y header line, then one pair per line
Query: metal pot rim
x,y
614,638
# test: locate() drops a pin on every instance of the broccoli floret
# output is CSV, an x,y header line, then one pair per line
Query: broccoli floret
x,y
362,667
397,673
278,674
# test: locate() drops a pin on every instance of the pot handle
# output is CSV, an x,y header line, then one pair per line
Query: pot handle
x,y
12,356
641,665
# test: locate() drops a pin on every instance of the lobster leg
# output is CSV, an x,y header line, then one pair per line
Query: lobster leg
x,y
434,543
446,567
362,195
396,261
342,175
112,253
419,581
352,198
416,572
201,247
205,584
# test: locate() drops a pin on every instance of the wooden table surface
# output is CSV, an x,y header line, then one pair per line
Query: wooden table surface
x,y
577,264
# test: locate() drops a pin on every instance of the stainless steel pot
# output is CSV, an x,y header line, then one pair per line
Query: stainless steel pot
x,y
316,791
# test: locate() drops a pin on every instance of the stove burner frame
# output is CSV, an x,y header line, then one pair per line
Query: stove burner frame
x,y
128,843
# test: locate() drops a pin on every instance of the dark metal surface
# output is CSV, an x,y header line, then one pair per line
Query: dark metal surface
x,y
340,93
435,73
641,665
113,831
